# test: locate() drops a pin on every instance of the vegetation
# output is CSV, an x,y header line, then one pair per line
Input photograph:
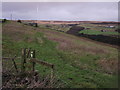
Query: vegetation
x,y
78,63
94,32
61,28
93,29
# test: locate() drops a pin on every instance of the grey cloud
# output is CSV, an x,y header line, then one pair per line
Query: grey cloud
x,y
97,11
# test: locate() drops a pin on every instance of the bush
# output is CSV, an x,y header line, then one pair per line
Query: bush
x,y
19,21
4,20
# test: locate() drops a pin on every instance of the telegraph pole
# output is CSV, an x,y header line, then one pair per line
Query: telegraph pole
x,y
37,13
11,16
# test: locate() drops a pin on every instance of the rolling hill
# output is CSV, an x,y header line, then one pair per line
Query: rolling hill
x,y
79,62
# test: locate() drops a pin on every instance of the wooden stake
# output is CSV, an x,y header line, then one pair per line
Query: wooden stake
x,y
28,53
33,62
23,61
15,64
52,76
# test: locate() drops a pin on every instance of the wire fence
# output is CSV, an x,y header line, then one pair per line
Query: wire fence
x,y
24,72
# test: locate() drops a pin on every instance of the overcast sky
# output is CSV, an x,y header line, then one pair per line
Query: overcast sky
x,y
70,11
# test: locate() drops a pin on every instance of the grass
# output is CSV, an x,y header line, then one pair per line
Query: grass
x,y
96,29
55,27
76,60
94,32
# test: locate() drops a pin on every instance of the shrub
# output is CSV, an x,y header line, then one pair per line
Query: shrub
x,y
4,20
19,21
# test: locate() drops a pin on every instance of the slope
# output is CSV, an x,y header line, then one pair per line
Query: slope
x,y
78,63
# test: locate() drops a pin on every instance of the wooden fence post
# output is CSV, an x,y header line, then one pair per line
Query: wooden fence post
x,y
15,64
23,61
28,53
52,76
33,62
22,54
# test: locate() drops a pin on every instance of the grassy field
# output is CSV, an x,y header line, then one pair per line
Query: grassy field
x,y
79,63
95,32
55,27
93,29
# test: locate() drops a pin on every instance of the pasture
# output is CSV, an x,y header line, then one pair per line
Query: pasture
x,y
93,29
79,62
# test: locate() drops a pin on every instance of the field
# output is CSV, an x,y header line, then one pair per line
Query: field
x,y
93,29
93,32
79,62
90,29
58,27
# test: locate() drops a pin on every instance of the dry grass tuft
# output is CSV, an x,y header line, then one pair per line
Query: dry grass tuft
x,y
109,66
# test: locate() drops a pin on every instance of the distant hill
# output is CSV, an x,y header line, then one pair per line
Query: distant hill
x,y
70,22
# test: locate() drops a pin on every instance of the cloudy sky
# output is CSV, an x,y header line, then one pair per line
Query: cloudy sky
x,y
68,11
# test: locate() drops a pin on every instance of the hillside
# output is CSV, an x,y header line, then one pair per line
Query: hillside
x,y
70,22
79,63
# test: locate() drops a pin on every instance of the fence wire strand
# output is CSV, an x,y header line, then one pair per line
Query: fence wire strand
x,y
30,78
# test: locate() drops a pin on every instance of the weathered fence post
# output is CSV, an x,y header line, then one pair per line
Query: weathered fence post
x,y
28,53
15,64
52,76
23,60
33,62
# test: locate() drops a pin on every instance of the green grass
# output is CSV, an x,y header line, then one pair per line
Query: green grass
x,y
96,29
55,27
94,32
73,70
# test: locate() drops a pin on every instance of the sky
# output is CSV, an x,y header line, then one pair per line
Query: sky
x,y
60,0
62,11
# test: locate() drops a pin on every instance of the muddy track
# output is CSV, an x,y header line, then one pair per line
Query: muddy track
x,y
101,39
